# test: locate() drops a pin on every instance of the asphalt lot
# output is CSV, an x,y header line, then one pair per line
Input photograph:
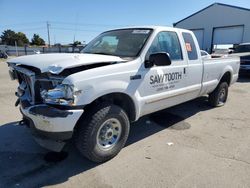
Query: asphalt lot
x,y
190,145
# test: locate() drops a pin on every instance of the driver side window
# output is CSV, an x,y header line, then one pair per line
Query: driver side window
x,y
166,42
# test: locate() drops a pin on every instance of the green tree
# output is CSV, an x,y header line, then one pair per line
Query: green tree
x,y
21,39
77,43
9,37
37,40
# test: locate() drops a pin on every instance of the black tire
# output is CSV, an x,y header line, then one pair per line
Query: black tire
x,y
219,96
92,125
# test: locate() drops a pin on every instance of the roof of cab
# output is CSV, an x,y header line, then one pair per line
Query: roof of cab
x,y
154,27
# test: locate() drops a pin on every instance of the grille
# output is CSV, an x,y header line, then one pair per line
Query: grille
x,y
32,83
28,77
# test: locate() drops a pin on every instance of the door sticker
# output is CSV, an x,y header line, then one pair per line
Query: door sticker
x,y
140,31
188,47
165,81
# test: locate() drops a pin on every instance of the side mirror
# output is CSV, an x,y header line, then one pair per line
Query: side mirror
x,y
158,59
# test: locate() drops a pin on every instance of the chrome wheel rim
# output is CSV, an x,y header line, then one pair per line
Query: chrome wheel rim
x,y
108,134
222,96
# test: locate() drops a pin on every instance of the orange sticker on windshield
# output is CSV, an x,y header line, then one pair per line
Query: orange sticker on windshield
x,y
188,47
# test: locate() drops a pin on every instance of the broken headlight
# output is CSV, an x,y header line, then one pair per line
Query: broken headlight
x,y
62,94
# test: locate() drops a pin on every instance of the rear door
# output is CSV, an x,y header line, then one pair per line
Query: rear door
x,y
194,70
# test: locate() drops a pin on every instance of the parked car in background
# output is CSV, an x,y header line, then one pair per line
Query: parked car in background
x,y
242,48
3,54
37,52
205,55
244,60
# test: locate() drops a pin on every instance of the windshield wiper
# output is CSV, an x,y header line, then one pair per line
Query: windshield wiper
x,y
101,53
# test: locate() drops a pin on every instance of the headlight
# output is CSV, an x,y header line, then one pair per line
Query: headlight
x,y
63,95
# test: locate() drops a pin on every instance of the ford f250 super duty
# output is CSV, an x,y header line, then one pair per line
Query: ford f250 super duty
x,y
119,77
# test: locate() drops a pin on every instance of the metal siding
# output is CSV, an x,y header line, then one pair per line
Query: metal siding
x,y
217,16
199,33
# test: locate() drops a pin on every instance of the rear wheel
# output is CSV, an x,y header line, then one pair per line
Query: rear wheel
x,y
219,96
103,133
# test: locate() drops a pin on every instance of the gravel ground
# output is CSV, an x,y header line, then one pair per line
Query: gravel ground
x,y
190,145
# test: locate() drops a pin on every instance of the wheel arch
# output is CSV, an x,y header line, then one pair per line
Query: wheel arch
x,y
118,98
227,77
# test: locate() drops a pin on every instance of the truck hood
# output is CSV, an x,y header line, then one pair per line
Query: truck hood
x,y
56,63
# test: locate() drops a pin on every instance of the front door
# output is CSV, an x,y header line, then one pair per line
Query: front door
x,y
164,86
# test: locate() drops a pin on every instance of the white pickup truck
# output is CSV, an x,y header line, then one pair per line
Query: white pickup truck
x,y
119,77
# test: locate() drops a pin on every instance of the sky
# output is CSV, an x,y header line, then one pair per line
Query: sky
x,y
82,20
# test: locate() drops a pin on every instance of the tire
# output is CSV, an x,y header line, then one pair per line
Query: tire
x,y
103,133
219,96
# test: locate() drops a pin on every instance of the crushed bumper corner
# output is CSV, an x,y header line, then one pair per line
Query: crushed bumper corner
x,y
51,127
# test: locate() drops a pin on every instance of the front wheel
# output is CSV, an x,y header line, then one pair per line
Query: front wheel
x,y
103,133
219,96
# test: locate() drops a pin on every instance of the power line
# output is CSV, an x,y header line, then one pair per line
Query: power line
x,y
60,25
85,24
30,29
24,23
69,29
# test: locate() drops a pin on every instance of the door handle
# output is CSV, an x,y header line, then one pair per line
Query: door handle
x,y
184,71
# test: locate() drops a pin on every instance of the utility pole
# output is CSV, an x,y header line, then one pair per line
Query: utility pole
x,y
16,48
48,33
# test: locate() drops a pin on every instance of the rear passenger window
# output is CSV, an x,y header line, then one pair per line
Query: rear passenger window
x,y
190,46
166,42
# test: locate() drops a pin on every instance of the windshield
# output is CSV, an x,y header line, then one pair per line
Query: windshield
x,y
123,43
242,48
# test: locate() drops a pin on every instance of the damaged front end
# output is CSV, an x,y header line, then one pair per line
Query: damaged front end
x,y
47,105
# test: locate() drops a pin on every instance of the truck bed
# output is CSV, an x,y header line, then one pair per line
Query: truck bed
x,y
215,68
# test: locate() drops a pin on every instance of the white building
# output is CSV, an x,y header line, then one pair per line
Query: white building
x,y
218,24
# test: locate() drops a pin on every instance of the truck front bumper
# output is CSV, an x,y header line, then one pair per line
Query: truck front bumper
x,y
51,127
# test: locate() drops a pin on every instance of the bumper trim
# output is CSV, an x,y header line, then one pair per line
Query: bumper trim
x,y
48,111
53,120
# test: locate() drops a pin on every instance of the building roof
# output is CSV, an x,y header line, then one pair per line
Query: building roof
x,y
221,4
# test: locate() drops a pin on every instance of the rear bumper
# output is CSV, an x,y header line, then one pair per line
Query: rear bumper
x,y
50,126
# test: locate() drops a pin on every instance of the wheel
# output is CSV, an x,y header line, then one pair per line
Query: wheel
x,y
103,133
219,96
